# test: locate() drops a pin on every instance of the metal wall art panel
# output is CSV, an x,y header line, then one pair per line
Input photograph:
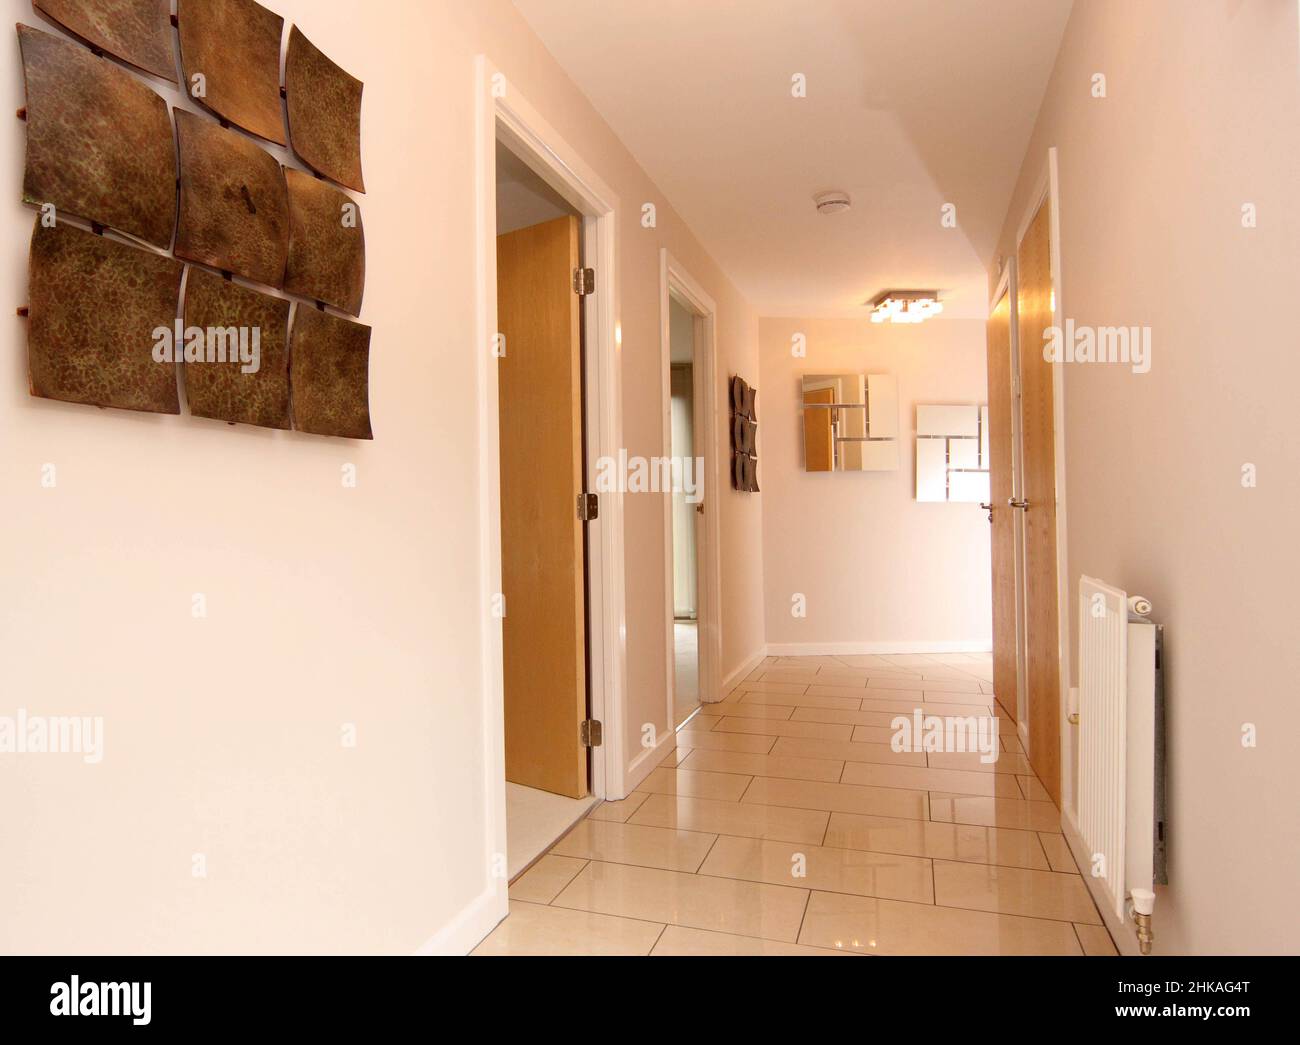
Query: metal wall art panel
x,y
95,307
327,244
234,212
137,31
324,105
330,375
234,45
240,370
99,142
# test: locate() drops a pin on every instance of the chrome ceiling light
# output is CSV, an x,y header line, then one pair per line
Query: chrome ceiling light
x,y
905,306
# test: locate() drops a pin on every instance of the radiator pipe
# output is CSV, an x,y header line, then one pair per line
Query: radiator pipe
x,y
1144,903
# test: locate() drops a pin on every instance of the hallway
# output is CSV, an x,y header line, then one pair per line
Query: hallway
x,y
900,852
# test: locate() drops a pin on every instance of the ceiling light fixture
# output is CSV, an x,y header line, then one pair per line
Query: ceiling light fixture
x,y
905,306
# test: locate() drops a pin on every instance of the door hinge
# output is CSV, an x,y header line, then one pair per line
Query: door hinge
x,y
592,733
584,282
588,507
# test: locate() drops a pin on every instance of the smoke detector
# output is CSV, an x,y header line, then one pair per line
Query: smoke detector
x,y
832,202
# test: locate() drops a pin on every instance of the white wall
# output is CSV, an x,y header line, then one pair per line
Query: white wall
x,y
878,569
326,606
1201,115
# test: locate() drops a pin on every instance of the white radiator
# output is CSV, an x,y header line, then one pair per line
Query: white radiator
x,y
1121,743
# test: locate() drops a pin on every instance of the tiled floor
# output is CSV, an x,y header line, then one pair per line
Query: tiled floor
x,y
785,824
686,656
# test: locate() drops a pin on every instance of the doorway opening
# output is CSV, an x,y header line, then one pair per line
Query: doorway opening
x,y
686,511
692,580
541,389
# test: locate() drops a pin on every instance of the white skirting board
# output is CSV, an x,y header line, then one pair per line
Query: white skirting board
x,y
471,926
835,649
731,681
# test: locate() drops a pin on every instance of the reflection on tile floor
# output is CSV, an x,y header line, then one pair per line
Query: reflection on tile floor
x,y
784,824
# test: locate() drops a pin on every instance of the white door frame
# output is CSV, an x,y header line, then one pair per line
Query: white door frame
x,y
1048,190
502,113
674,279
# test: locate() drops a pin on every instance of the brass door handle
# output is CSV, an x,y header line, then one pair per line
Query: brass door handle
x,y
1022,505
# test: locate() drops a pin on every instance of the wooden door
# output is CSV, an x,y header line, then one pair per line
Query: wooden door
x,y
1034,306
818,435
1002,425
542,562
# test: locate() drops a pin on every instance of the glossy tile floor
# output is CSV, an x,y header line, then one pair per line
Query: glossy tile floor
x,y
686,669
784,823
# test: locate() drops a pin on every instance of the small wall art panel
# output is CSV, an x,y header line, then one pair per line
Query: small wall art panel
x,y
744,437
324,105
137,31
94,306
234,212
233,46
329,375
99,142
243,373
327,244
952,454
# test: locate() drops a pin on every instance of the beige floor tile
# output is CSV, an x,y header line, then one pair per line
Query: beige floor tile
x,y
531,929
635,844
732,818
1013,890
765,765
674,757
618,812
973,762
1096,941
755,686
678,941
830,689
702,722
877,926
874,735
933,688
743,709
963,842
880,719
868,660
955,781
778,728
1059,857
843,677
841,798
804,700
726,787
725,741
994,812
1032,789
907,705
804,675
1012,744
848,751
772,912
890,875
542,882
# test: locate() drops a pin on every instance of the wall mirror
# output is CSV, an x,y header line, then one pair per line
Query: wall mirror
x,y
850,422
952,454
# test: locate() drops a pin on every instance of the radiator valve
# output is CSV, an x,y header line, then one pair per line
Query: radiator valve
x,y
1144,902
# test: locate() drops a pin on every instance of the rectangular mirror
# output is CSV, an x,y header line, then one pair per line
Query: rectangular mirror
x,y
952,454
850,422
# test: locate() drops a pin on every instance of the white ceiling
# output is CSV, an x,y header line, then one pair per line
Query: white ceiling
x,y
910,104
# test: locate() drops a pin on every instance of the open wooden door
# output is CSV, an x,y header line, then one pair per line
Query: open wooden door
x,y
818,435
542,560
1002,428
1035,308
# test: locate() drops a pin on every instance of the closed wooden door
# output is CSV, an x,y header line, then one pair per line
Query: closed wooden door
x,y
1002,428
1034,306
542,562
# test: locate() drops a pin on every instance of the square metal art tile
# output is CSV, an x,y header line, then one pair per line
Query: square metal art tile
x,y
99,142
234,212
329,375
324,105
96,306
327,244
234,45
137,31
242,337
